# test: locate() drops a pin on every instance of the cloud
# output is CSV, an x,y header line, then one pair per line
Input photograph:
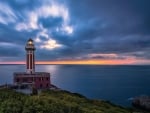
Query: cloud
x,y
6,50
7,15
44,12
31,23
50,44
54,10
64,29
68,29
51,22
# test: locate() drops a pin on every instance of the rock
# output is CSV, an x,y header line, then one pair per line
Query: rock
x,y
142,102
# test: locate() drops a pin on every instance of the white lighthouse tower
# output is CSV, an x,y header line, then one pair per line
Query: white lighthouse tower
x,y
30,62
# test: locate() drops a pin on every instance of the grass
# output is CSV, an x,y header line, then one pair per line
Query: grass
x,y
52,101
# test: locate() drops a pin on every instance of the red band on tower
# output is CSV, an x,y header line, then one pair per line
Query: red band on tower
x,y
30,64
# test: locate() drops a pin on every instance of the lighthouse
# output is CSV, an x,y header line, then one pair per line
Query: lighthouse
x,y
30,62
30,78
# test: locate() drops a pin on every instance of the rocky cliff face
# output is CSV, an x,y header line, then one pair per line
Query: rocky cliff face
x,y
142,102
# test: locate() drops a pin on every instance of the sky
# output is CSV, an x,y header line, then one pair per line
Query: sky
x,y
76,31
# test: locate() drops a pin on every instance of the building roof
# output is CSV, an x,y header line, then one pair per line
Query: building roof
x,y
31,74
30,39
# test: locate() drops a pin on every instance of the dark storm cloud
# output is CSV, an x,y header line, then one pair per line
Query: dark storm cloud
x,y
116,17
20,5
8,34
5,51
81,27
50,22
111,26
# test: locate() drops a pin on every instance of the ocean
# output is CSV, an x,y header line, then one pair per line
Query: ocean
x,y
117,84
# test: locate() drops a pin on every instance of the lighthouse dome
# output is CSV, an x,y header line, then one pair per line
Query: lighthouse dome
x,y
30,45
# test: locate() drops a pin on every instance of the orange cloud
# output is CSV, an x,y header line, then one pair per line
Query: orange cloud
x,y
92,59
127,61
89,62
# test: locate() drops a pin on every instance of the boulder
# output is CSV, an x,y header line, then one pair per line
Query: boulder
x,y
142,102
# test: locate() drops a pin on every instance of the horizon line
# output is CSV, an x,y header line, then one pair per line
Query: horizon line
x,y
85,62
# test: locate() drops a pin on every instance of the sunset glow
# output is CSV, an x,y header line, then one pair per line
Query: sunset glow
x,y
88,62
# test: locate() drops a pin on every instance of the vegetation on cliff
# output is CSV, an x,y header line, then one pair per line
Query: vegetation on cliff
x,y
51,101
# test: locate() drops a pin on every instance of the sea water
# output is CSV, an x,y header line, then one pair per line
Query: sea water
x,y
118,84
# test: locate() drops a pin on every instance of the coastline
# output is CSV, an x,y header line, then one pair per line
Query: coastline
x,y
135,108
97,83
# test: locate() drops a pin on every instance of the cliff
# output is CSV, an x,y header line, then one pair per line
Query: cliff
x,y
142,102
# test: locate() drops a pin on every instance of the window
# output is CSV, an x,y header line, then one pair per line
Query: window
x,y
41,85
47,78
47,85
24,79
17,80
